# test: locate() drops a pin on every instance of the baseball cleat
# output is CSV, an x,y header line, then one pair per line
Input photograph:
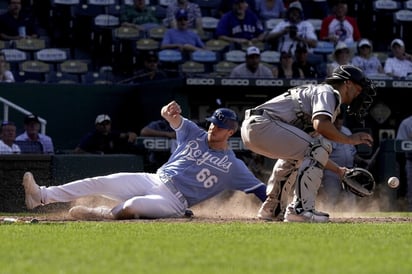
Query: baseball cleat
x,y
91,213
31,191
306,216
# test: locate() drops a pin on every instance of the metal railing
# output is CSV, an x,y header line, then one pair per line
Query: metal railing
x,y
7,104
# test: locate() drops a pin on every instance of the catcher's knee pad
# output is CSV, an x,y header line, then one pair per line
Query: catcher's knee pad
x,y
319,150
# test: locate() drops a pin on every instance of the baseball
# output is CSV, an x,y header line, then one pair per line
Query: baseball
x,y
393,182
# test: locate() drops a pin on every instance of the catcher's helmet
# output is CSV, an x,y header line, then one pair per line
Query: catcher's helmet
x,y
224,118
361,104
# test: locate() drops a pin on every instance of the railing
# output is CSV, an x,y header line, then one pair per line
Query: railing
x,y
7,104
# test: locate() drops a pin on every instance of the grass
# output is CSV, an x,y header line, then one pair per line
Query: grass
x,y
193,247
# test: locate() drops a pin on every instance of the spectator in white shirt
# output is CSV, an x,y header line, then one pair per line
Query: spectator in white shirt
x,y
7,138
252,67
400,65
366,60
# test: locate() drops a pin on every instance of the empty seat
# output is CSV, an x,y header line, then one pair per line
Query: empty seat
x,y
235,56
191,68
270,56
224,68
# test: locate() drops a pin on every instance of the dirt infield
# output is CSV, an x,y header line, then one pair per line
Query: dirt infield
x,y
227,207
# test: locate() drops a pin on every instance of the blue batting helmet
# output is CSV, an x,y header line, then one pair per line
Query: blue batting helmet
x,y
224,118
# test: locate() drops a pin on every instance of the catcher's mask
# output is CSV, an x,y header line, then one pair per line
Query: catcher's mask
x,y
361,104
224,118
359,181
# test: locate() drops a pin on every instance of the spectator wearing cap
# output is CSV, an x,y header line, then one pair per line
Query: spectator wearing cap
x,y
366,60
104,140
240,25
150,70
139,16
7,138
182,38
400,65
32,133
342,55
285,69
339,26
252,67
227,5
292,31
194,14
301,62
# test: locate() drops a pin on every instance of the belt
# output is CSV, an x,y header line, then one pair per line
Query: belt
x,y
251,112
176,192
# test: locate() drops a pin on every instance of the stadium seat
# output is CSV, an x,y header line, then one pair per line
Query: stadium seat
x,y
191,68
53,56
235,56
270,56
403,23
224,68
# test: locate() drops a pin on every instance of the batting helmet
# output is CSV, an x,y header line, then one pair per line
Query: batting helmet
x,y
224,118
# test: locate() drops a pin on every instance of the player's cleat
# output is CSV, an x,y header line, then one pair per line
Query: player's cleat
x,y
31,191
306,216
91,213
189,213
267,211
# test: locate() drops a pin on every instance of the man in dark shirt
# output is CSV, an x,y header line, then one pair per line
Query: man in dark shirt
x,y
17,23
105,141
301,61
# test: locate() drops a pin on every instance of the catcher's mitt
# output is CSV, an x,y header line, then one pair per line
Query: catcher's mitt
x,y
359,181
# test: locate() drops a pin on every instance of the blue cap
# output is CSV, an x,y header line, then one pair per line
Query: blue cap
x,y
224,118
182,13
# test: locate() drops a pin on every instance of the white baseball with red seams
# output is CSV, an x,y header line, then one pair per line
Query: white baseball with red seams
x,y
393,182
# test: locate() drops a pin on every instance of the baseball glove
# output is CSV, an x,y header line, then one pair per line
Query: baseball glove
x,y
359,181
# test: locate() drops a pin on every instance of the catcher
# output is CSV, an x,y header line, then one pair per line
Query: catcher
x,y
295,128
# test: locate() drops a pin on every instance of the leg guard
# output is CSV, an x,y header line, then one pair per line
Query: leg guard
x,y
310,174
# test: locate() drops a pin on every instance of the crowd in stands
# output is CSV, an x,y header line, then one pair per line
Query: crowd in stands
x,y
113,39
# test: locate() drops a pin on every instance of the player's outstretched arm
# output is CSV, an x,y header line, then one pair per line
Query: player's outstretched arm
x,y
171,112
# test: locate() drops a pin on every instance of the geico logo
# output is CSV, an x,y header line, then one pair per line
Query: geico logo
x,y
266,82
402,84
406,145
235,82
302,82
200,81
156,143
236,144
379,84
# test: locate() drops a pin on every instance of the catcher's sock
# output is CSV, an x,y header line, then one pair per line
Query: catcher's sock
x,y
306,216
31,191
91,213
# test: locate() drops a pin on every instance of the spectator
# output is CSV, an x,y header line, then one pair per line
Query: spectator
x,y
285,69
159,128
150,70
7,138
269,9
104,140
5,74
366,60
405,133
182,38
240,25
338,26
331,194
301,62
139,16
194,14
292,31
252,67
227,5
341,56
32,133
400,65
17,23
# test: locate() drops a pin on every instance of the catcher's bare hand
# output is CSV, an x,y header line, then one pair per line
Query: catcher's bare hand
x,y
361,138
